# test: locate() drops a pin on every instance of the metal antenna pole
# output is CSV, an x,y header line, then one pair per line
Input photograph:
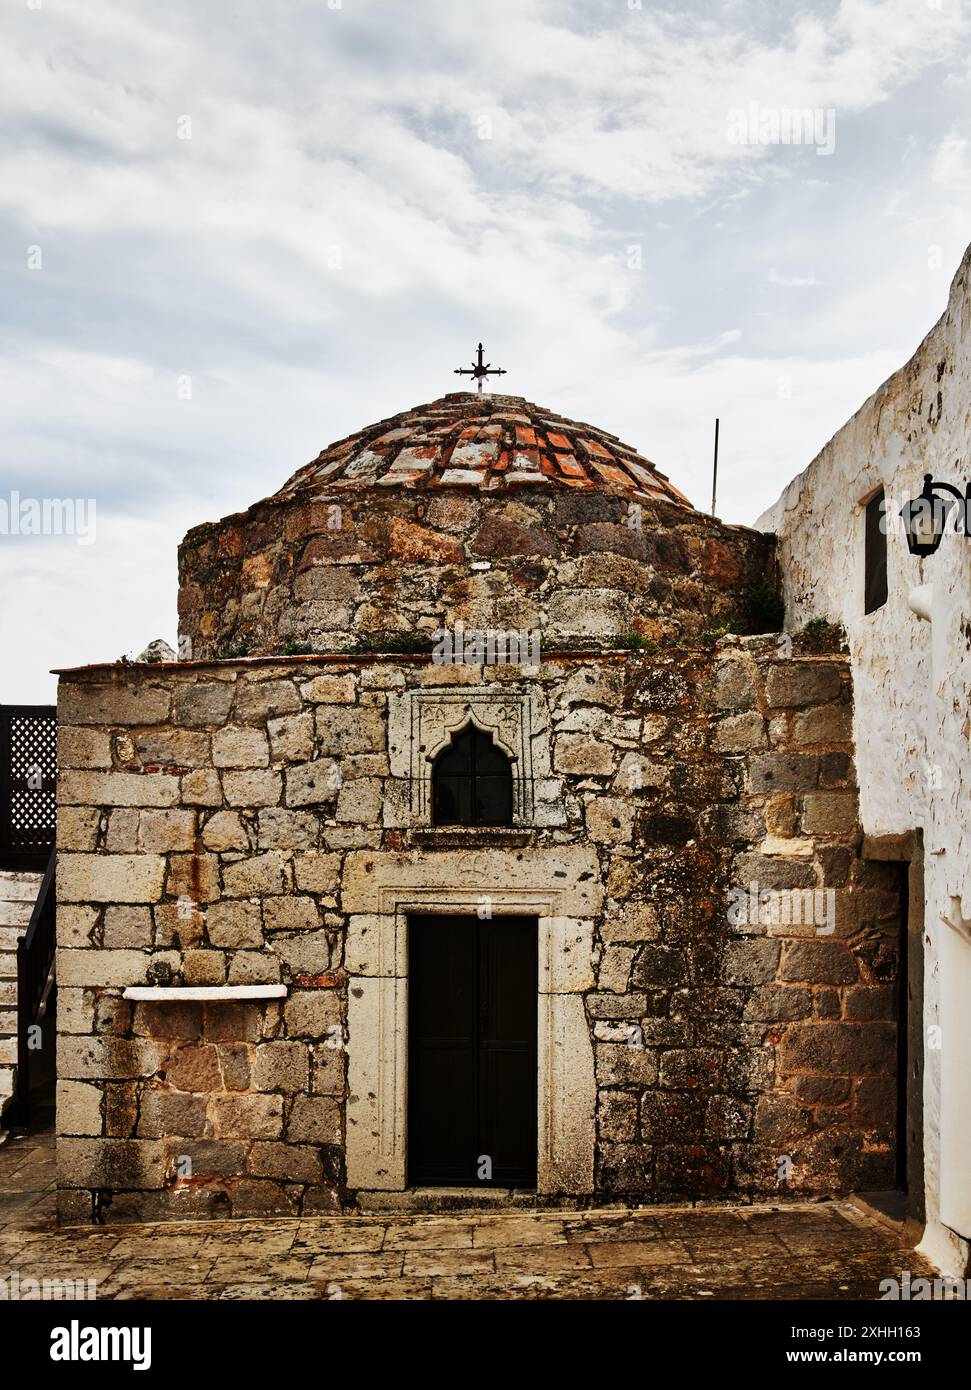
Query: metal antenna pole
x,y
714,470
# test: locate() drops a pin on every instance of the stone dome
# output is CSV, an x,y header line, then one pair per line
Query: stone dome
x,y
490,442
483,510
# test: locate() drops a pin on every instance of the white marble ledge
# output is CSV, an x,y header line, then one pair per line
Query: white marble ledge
x,y
202,994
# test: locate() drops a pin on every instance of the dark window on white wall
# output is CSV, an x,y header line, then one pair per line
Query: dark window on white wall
x,y
875,555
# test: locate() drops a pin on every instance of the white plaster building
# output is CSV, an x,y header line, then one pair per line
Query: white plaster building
x,y
911,662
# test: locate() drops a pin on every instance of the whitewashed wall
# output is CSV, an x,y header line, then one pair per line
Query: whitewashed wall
x,y
912,692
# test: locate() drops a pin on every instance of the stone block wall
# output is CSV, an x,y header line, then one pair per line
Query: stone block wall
x,y
18,893
587,565
220,823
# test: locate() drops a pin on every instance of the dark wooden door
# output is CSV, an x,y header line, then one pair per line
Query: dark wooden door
x,y
472,1051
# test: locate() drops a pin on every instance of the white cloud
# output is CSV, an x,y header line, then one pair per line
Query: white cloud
x,y
359,129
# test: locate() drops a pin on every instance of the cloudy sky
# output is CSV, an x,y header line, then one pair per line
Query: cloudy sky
x,y
234,232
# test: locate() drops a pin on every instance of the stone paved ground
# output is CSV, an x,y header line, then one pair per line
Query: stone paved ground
x,y
829,1250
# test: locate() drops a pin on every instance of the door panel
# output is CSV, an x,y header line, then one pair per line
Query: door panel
x,y
472,1050
441,1082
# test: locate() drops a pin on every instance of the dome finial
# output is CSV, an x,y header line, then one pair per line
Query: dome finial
x,y
480,370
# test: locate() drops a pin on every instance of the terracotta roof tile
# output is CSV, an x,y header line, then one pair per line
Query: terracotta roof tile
x,y
487,442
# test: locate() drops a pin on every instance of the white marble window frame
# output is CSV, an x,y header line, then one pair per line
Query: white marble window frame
x,y
422,722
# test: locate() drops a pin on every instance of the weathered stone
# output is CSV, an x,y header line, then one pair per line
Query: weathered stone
x,y
194,1067
292,738
825,724
251,789
111,1163
823,1090
820,962
875,1099
290,913
164,1113
240,747
281,1066
750,962
778,1004
772,873
734,688
203,967
193,876
173,746
83,748
317,871
258,701
159,831
247,1117
829,813
314,1120
577,753
586,613
202,788
359,801
617,1117
780,772
343,730
839,1048
263,873
225,831
283,829
117,789
312,1013
803,683
75,927
234,924
610,820
289,1162
330,690
180,924
306,954
623,1064
110,878
630,921
77,827
112,704
740,733
313,784
127,927
122,836
206,703
253,968
416,544
78,1108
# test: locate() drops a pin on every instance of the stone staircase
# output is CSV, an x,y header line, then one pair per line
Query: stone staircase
x,y
18,893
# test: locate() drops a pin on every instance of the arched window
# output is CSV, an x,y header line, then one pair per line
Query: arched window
x,y
472,782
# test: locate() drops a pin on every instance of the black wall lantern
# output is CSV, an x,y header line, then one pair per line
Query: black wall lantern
x,y
925,516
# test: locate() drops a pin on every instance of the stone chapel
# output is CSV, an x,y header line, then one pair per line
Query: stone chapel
x,y
486,843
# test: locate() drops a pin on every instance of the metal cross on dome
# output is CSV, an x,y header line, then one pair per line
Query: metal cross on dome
x,y
480,370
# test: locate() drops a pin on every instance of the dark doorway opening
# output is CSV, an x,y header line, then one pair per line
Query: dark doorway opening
x,y
472,1080
901,861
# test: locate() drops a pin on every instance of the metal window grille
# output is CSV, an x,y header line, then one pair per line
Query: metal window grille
x,y
28,775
